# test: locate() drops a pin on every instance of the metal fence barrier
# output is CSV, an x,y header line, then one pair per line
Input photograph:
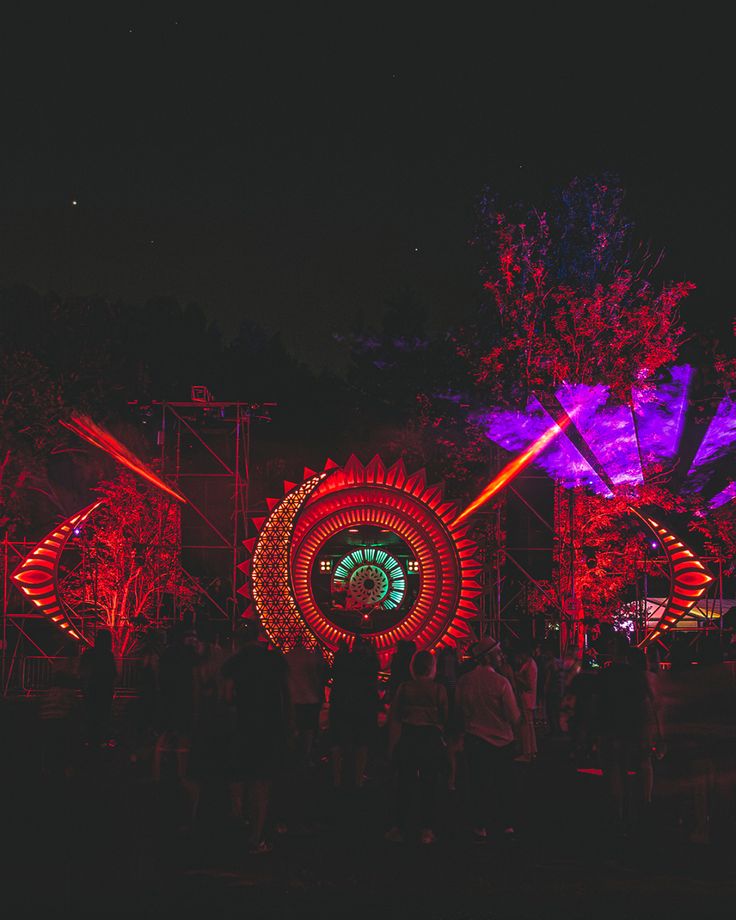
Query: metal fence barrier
x,y
37,672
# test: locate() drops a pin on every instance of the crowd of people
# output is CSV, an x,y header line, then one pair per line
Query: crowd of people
x,y
455,718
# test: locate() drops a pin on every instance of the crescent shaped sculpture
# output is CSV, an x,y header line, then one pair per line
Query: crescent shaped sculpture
x,y
689,578
37,575
269,567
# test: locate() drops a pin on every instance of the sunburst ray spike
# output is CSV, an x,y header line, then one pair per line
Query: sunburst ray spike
x,y
447,511
376,470
433,494
354,470
416,483
396,475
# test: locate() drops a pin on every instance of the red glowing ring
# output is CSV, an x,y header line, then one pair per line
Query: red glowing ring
x,y
366,495
423,532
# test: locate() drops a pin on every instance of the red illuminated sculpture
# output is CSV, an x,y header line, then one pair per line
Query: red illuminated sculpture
x,y
689,579
37,575
363,550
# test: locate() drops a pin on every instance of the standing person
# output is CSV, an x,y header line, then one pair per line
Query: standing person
x,y
210,734
176,712
256,685
698,703
337,712
551,679
144,706
448,668
400,666
489,712
353,709
417,719
623,704
526,688
504,666
653,734
98,673
307,679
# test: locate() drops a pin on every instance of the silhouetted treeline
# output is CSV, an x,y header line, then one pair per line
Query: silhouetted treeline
x,y
112,360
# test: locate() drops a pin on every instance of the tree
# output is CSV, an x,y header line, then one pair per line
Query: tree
x,y
130,560
573,297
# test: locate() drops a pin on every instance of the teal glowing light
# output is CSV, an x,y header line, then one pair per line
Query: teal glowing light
x,y
370,577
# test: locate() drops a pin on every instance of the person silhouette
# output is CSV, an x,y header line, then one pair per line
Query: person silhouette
x,y
487,705
98,673
353,714
256,684
418,716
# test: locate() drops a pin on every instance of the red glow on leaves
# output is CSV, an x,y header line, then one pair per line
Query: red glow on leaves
x,y
132,548
570,303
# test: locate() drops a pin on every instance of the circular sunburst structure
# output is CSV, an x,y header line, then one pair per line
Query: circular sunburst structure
x,y
363,550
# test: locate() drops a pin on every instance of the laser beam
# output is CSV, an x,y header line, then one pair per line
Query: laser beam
x,y
514,467
91,432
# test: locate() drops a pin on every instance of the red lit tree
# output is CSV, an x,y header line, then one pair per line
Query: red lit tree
x,y
573,298
130,559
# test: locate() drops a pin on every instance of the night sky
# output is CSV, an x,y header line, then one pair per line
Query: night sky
x,y
300,170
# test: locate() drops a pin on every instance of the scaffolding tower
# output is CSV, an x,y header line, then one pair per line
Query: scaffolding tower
x,y
204,449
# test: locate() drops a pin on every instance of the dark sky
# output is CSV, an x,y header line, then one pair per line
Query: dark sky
x,y
300,169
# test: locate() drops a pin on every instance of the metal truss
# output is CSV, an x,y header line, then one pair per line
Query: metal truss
x,y
221,466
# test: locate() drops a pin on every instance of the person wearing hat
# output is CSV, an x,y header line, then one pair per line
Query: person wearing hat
x,y
489,712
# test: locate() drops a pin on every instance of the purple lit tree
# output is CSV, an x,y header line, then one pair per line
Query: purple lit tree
x,y
579,319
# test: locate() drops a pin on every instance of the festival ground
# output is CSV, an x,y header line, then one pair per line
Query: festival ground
x,y
106,841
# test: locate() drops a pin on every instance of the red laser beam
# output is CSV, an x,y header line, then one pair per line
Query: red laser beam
x,y
513,468
92,433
